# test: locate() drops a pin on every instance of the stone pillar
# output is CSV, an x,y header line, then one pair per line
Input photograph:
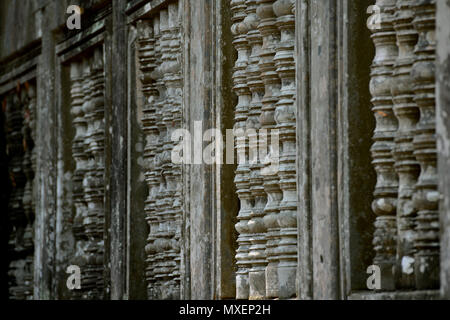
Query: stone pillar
x,y
257,256
80,159
243,171
96,187
426,196
271,36
407,113
147,63
29,199
285,116
385,202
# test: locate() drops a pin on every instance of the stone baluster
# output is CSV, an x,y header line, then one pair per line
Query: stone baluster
x,y
385,195
168,74
147,62
156,219
272,84
242,172
407,168
16,211
426,196
159,198
27,143
174,83
15,151
158,257
97,147
80,159
163,265
32,124
178,82
90,220
257,282
32,132
168,70
285,117
28,201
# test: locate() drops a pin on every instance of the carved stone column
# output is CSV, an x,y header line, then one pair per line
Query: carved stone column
x,y
97,148
406,165
385,202
174,83
79,123
29,164
285,115
14,151
257,282
241,180
90,220
426,196
164,232
147,64
272,84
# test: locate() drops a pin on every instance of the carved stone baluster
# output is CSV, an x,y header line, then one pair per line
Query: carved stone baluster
x,y
178,80
79,123
242,172
286,121
90,220
16,213
174,82
156,162
272,84
167,70
163,202
426,196
406,165
159,246
27,143
147,65
157,146
28,203
31,151
32,124
97,147
385,202
257,282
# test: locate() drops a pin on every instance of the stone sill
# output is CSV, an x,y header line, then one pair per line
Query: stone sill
x,y
396,295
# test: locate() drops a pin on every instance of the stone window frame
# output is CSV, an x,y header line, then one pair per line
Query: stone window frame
x,y
69,47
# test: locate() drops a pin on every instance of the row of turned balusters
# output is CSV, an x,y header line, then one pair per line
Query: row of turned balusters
x,y
162,82
87,109
406,239
19,109
264,81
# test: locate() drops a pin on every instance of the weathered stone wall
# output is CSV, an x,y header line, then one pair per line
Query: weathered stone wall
x,y
360,116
